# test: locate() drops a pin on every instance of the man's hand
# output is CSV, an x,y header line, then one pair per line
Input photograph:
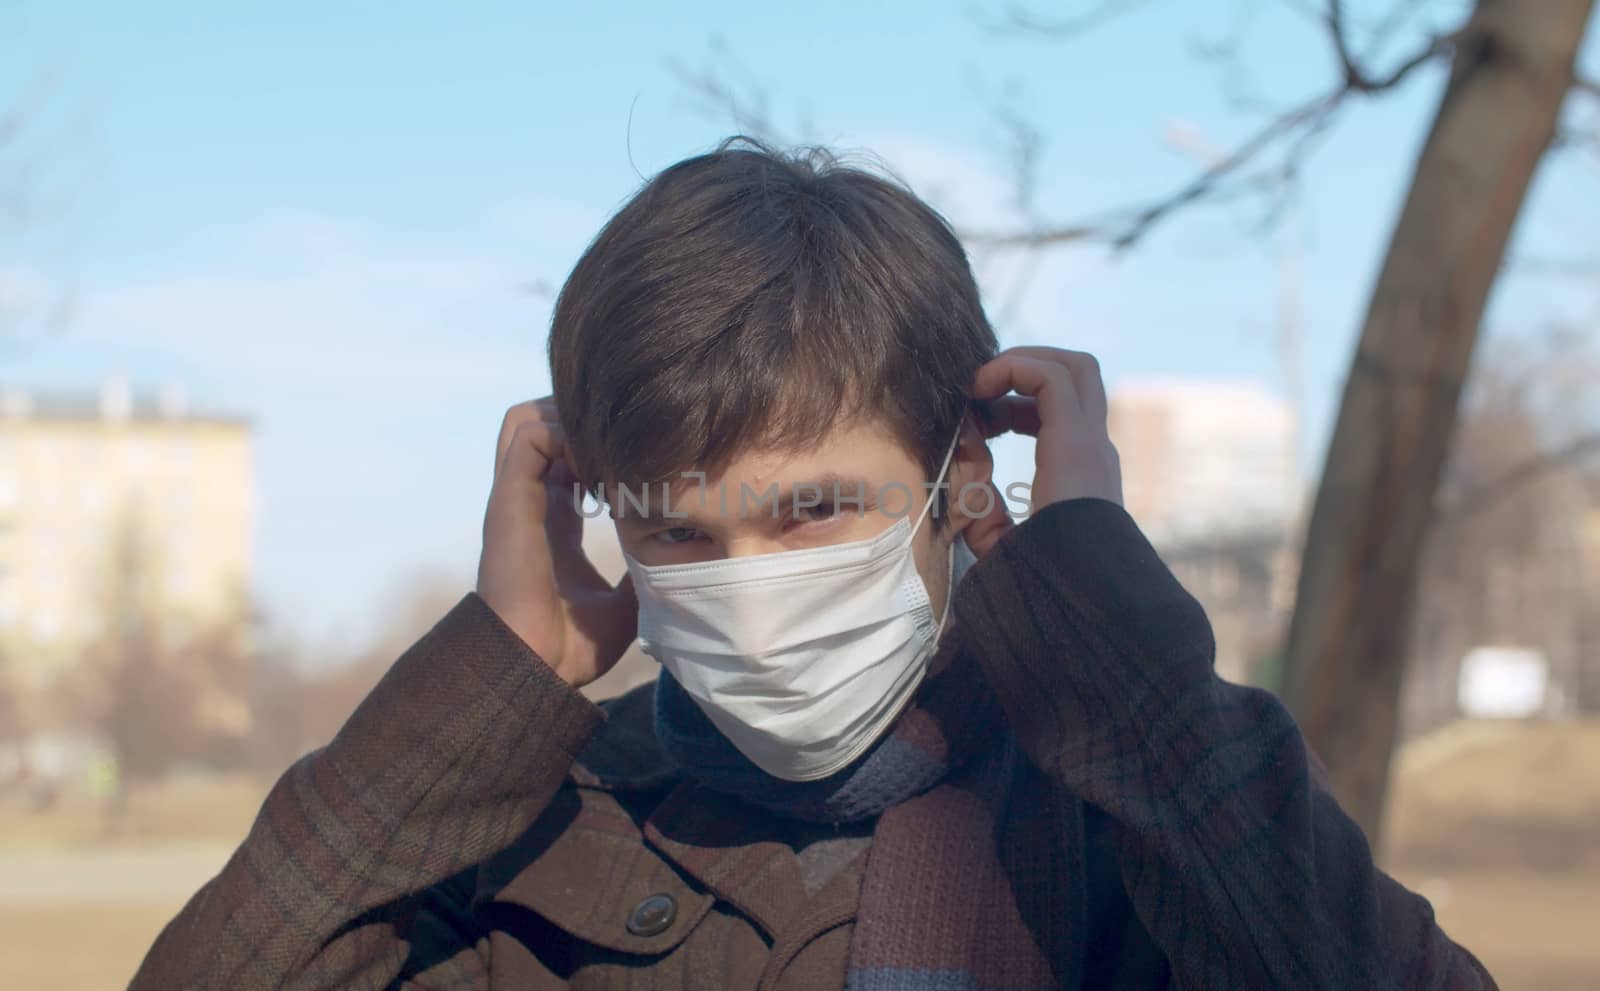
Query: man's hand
x,y
1061,402
533,572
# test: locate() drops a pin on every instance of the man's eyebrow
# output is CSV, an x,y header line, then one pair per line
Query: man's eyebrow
x,y
649,505
824,490
643,506
831,485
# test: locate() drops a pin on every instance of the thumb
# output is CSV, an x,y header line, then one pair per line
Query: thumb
x,y
623,616
985,531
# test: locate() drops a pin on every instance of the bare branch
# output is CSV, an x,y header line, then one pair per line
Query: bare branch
x,y
1574,137
1018,19
1238,85
1022,141
1398,14
1135,223
1560,268
1438,45
1341,44
39,93
1485,496
746,100
1296,128
1355,76
1304,122
1306,9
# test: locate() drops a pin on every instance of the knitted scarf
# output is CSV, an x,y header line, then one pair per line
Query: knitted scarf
x,y
937,907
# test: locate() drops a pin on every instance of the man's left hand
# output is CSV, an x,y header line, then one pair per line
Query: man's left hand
x,y
1058,398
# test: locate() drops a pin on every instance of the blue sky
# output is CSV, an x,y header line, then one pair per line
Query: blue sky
x,y
328,216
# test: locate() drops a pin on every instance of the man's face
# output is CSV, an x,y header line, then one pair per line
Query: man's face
x,y
856,482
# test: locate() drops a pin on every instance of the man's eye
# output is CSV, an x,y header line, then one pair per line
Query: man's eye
x,y
824,512
677,535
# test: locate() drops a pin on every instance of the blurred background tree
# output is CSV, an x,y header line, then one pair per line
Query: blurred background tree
x,y
1511,74
161,693
46,163
1511,71
1504,564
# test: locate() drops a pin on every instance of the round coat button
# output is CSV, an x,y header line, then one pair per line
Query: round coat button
x,y
652,916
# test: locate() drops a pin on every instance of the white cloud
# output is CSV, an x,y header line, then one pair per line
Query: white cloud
x,y
375,372
346,314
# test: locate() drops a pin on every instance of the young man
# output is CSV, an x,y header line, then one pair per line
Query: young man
x,y
855,770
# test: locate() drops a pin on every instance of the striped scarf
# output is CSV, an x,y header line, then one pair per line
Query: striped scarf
x,y
937,907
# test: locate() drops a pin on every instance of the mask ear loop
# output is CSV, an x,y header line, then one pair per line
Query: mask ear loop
x,y
949,589
938,483
950,581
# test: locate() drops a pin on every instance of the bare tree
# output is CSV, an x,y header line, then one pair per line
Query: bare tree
x,y
1511,70
13,728
278,695
300,705
1505,560
42,175
126,691
1512,66
159,691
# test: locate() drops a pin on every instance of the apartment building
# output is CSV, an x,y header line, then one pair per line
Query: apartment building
x,y
84,474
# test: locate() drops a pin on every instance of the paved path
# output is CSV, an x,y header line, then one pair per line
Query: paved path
x,y
154,872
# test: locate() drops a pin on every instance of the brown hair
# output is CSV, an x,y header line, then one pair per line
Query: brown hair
x,y
752,298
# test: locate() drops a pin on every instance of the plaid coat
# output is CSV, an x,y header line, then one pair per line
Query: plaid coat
x,y
479,824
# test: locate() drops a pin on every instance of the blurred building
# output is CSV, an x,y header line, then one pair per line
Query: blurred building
x,y
78,473
1511,576
1205,459
1209,471
1246,582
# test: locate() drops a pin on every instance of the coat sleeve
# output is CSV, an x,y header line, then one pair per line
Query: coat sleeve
x,y
1245,872
357,870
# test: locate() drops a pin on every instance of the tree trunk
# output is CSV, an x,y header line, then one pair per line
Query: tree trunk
x,y
1350,634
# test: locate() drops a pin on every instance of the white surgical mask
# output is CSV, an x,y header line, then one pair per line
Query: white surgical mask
x,y
800,658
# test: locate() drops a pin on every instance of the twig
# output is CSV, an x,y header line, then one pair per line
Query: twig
x,y
1237,84
1486,495
1334,17
1573,137
747,103
1358,78
1020,20
1563,268
1298,126
1123,228
1125,233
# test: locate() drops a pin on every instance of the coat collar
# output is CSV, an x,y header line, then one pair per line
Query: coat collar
x,y
629,806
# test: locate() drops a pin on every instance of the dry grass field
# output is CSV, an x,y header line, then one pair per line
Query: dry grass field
x,y
1499,825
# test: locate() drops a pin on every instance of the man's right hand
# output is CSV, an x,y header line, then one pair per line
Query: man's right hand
x,y
533,572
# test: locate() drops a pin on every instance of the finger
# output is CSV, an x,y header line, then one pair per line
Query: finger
x,y
1008,415
551,414
564,526
986,530
533,447
516,416
563,521
1049,383
1085,370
